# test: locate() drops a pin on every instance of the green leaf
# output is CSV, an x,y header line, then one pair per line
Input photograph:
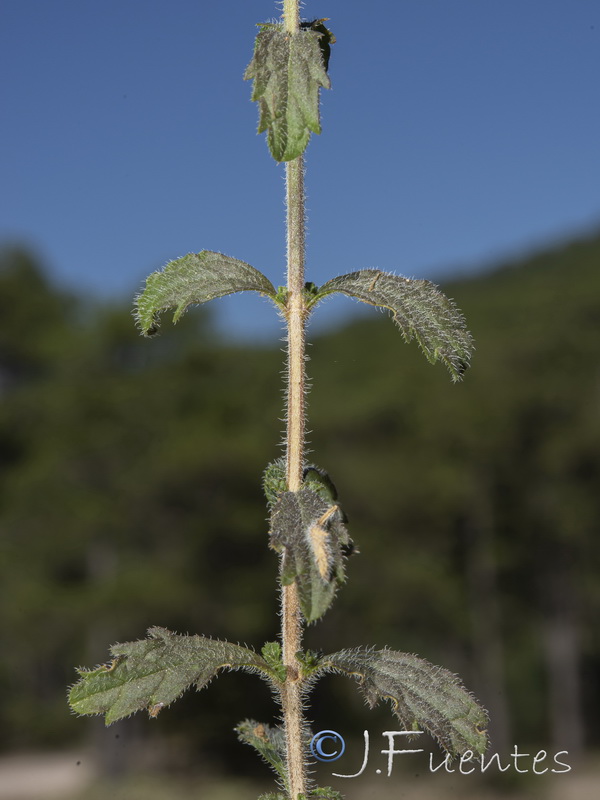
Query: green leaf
x,y
313,477
310,663
271,652
273,796
274,481
320,482
323,792
422,695
311,534
151,673
419,309
195,278
269,741
326,40
288,70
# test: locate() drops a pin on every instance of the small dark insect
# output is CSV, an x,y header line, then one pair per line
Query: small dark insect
x,y
326,40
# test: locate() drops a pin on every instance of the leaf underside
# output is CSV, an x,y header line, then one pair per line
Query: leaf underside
x,y
310,533
151,673
288,71
422,695
420,310
269,742
195,278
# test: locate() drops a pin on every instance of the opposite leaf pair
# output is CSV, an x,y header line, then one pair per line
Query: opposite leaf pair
x,y
419,309
151,673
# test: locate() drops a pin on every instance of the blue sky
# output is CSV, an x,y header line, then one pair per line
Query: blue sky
x,y
457,132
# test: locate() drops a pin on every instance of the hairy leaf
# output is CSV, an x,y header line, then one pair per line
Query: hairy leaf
x,y
323,792
422,695
311,534
274,481
151,673
326,40
320,482
313,477
420,310
310,663
195,278
271,652
288,71
272,796
269,741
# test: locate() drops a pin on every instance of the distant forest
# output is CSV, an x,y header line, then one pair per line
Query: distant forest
x,y
130,496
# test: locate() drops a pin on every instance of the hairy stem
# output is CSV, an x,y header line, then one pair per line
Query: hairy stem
x,y
291,15
291,618
296,322
291,623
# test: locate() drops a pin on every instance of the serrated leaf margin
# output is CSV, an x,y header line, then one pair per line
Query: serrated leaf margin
x,y
194,279
467,734
419,308
287,72
147,681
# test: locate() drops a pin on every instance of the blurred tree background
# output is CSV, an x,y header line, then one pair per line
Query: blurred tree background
x,y
130,496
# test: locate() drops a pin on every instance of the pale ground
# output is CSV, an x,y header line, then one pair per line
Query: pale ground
x,y
40,776
71,776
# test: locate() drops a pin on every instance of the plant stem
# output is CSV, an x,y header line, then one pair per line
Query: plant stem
x,y
291,15
296,322
291,619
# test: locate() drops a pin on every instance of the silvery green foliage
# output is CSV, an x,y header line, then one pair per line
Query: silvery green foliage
x,y
269,742
422,695
151,673
195,278
288,71
310,533
308,528
420,310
